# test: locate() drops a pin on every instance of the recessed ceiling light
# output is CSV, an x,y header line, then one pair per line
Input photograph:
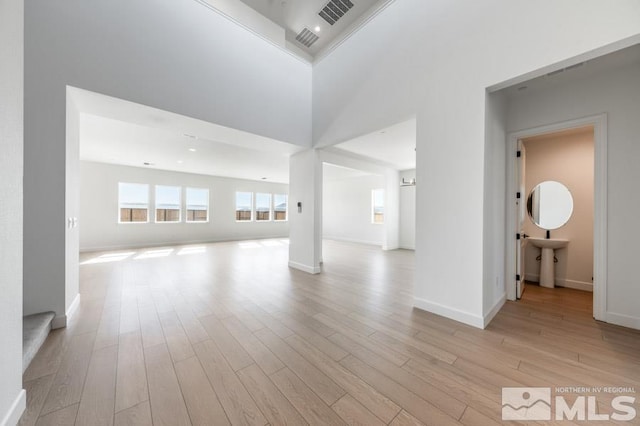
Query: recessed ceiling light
x,y
192,149
180,161
317,28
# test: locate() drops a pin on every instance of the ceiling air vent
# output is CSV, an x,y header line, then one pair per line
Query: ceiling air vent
x,y
307,37
335,10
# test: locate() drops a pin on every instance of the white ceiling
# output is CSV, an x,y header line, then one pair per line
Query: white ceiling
x,y
120,132
393,146
332,172
117,142
295,15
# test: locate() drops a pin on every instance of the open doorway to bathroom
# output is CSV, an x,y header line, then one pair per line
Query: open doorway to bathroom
x,y
560,178
557,236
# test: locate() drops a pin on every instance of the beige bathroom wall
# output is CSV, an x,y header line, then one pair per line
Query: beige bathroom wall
x,y
566,157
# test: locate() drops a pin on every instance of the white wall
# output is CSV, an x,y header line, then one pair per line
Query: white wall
x,y
12,397
100,230
305,228
443,80
567,159
618,94
346,206
408,212
494,282
175,55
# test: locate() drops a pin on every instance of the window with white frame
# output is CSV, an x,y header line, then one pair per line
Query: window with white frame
x,y
263,207
133,202
280,205
244,206
377,206
197,202
168,203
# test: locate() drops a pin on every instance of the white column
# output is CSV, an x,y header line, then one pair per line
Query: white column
x,y
391,210
305,211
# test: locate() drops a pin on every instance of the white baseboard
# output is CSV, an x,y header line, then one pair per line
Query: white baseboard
x,y
494,310
305,268
449,312
578,285
135,246
61,321
73,307
623,320
353,240
561,282
12,417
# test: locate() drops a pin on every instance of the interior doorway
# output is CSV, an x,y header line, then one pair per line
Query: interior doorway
x,y
567,168
556,227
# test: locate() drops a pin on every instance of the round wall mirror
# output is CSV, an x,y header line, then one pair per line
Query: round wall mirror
x,y
550,205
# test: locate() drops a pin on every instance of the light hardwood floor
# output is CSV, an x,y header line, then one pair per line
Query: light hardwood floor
x,y
226,333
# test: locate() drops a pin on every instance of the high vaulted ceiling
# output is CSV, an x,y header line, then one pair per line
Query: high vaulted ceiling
x,y
296,15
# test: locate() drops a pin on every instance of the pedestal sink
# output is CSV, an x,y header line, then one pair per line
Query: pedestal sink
x,y
547,266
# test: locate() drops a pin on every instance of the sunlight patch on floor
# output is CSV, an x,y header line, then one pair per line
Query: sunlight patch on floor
x,y
150,254
192,250
107,258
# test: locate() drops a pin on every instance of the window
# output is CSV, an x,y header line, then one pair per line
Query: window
x,y
244,206
263,207
279,207
197,204
168,203
377,206
133,202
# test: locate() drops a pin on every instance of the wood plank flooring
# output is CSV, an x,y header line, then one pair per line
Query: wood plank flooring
x,y
227,334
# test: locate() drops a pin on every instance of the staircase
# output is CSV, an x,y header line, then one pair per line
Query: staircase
x,y
35,329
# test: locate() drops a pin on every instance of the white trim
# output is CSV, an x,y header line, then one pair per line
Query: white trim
x,y
305,268
353,240
171,244
61,321
494,310
600,220
577,285
15,411
623,320
563,282
73,307
449,312
599,122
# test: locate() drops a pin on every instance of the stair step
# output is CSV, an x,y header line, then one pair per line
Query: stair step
x,y
35,329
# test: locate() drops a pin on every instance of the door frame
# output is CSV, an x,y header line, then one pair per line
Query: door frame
x,y
599,123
